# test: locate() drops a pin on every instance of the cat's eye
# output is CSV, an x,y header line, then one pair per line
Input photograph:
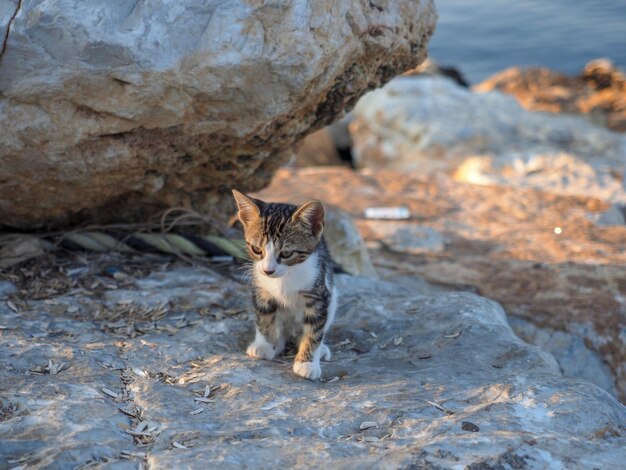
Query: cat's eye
x,y
256,250
286,254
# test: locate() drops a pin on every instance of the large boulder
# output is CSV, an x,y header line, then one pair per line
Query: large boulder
x,y
156,371
429,124
114,110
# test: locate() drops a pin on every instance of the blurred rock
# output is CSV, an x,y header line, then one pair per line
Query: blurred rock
x,y
559,173
404,237
329,146
428,124
599,91
614,215
346,245
6,289
317,149
430,68
573,356
340,132
417,366
116,110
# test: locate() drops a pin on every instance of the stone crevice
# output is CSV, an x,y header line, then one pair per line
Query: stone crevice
x,y
6,35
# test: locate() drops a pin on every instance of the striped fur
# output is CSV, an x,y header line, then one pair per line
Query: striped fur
x,y
294,293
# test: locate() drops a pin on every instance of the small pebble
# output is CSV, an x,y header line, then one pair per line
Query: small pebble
x,y
6,289
467,426
368,424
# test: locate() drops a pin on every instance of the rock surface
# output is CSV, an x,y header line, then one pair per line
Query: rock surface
x,y
574,357
346,244
411,384
428,124
404,237
500,242
599,92
114,110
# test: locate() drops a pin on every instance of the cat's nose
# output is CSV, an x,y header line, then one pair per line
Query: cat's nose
x,y
269,272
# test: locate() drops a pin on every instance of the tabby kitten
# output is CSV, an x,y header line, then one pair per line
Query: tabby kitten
x,y
294,294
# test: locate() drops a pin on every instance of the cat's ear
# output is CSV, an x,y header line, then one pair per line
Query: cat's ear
x,y
249,210
311,215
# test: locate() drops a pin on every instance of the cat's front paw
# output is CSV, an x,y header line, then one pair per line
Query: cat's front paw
x,y
325,352
261,350
308,370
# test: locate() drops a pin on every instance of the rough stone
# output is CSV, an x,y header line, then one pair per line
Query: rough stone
x,y
346,244
416,366
433,69
500,242
574,357
428,124
404,237
7,288
614,215
115,110
598,93
340,132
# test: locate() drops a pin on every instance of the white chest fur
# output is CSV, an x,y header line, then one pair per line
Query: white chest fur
x,y
287,288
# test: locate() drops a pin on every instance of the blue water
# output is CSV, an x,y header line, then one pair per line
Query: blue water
x,y
481,37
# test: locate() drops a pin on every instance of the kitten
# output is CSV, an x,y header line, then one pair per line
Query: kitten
x,y
294,293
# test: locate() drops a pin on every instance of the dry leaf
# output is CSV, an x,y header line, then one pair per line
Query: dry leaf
x,y
367,425
204,400
108,392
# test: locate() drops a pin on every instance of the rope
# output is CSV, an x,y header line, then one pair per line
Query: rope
x,y
219,249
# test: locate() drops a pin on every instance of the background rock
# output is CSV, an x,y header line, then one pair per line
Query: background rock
x,y
346,244
614,215
7,288
414,365
404,237
599,92
431,69
574,357
115,110
428,124
317,149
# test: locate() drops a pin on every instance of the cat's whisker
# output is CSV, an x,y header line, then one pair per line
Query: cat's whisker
x,y
247,279
248,275
245,265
